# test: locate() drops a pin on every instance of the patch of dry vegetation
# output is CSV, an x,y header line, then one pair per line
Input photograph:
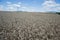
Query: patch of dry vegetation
x,y
29,26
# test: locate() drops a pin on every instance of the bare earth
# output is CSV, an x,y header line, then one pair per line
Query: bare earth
x,y
29,26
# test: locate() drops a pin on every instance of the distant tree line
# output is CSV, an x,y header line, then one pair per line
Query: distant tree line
x,y
58,13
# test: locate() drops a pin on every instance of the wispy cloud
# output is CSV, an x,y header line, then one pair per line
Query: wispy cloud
x,y
1,7
17,7
13,6
50,5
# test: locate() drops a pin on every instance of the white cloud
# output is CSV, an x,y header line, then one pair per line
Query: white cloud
x,y
18,7
13,6
1,7
28,9
50,5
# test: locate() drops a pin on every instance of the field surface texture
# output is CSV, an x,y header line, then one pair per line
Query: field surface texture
x,y
29,26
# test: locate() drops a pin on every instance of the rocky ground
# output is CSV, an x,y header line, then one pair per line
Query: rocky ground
x,y
29,26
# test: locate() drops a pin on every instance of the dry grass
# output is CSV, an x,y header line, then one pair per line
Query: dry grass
x,y
29,26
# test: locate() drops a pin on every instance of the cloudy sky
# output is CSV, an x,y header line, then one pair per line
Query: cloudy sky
x,y
30,5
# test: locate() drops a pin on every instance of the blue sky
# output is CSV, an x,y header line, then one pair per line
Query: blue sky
x,y
30,5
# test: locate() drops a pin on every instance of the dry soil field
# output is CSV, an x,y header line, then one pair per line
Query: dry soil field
x,y
29,26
